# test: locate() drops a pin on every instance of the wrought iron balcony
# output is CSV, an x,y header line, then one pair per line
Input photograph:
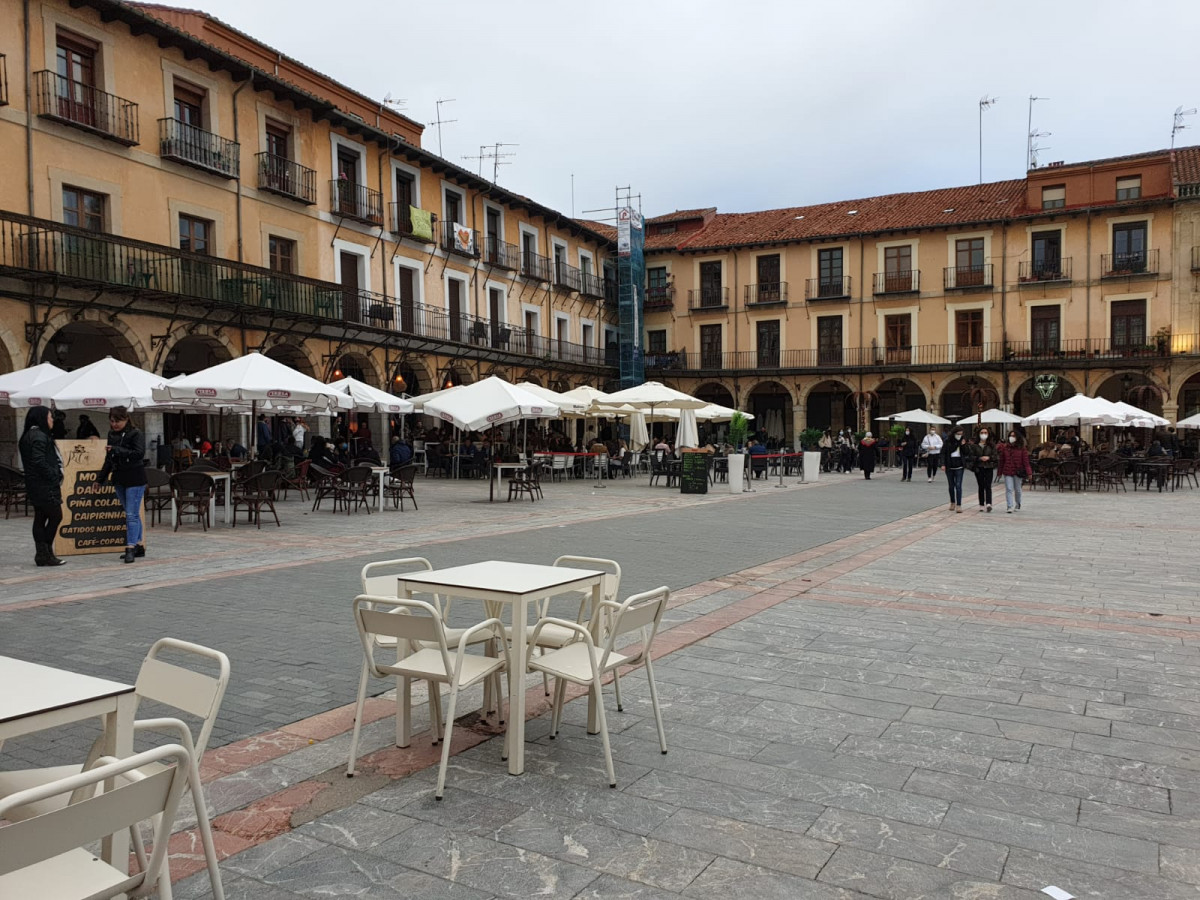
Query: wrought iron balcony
x,y
769,293
836,288
402,223
967,278
355,201
566,277
458,238
1141,264
197,148
85,107
3,80
591,285
280,175
500,254
1041,271
535,266
660,296
708,299
907,281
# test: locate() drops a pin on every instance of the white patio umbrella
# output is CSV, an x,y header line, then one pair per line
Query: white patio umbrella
x,y
915,417
1140,418
105,383
558,398
639,436
26,379
586,395
714,412
688,434
487,403
419,401
371,399
256,380
1189,422
994,416
1080,409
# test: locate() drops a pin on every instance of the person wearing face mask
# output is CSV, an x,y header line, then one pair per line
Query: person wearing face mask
x,y
1014,465
908,453
931,452
981,457
952,464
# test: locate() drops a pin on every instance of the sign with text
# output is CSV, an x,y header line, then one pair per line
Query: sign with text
x,y
693,473
93,521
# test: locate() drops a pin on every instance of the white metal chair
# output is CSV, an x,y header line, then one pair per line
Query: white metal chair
x,y
418,458
45,856
417,626
582,662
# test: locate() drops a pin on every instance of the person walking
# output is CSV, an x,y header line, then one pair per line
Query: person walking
x,y
125,468
86,429
908,453
982,459
867,451
952,464
43,481
931,452
1014,465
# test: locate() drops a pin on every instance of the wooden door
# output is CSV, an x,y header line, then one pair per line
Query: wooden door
x,y
829,340
455,307
404,286
349,282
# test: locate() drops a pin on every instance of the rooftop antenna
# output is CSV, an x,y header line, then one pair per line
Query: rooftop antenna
x,y
1180,112
439,121
389,101
1030,149
496,156
480,157
985,102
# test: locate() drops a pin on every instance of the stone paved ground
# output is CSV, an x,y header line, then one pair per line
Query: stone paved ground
x,y
865,697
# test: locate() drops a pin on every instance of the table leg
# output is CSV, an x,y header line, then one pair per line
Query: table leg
x,y
492,485
118,742
175,513
516,689
593,724
404,696
228,497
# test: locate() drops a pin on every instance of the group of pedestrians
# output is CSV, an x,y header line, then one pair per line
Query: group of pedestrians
x,y
983,456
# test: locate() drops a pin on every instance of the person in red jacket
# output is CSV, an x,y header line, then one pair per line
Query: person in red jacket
x,y
1014,465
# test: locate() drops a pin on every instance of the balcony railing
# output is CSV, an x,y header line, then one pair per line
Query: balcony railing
x,y
41,250
967,278
1046,270
660,296
770,293
1129,265
905,282
197,148
535,266
458,238
566,277
280,175
500,254
355,201
591,285
3,80
708,298
402,223
83,106
837,288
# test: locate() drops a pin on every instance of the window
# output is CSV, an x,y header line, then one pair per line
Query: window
x,y
281,255
710,285
1044,324
897,268
897,331
968,262
767,335
767,272
710,346
1129,324
1129,188
656,341
1054,197
968,335
77,70
587,335
454,207
189,104
195,235
656,283
405,189
829,270
1129,247
531,331
347,165
1047,256
278,140
829,340
83,209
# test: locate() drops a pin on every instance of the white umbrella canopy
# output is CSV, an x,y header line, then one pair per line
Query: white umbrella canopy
x,y
558,398
586,395
492,401
639,436
1080,409
253,379
714,412
916,417
688,435
1189,422
419,401
994,416
105,383
653,395
26,379
1140,418
371,399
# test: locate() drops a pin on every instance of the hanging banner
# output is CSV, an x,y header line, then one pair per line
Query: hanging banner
x,y
631,279
464,238
93,521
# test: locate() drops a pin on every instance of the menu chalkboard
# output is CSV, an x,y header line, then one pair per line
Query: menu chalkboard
x,y
693,473
93,521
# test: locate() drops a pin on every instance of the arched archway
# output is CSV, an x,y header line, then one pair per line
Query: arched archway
x,y
898,395
293,356
1135,388
1033,395
771,404
828,405
715,392
78,344
561,384
359,366
962,395
1189,397
193,353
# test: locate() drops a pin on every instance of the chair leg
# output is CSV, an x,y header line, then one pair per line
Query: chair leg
x,y
441,782
556,705
662,737
435,711
608,763
617,689
358,710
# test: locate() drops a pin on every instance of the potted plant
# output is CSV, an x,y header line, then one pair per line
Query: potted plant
x,y
1162,340
739,427
809,438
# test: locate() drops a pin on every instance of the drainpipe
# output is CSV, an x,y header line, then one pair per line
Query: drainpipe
x,y
28,116
240,245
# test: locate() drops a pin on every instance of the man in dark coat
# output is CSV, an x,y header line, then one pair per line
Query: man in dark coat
x,y
866,455
86,429
43,481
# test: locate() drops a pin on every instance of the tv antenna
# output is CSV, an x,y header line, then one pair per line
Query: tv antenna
x,y
1180,112
439,121
394,102
985,102
1031,147
492,152
479,157
623,197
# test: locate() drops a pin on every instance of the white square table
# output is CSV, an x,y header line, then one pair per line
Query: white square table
x,y
381,472
498,470
496,581
34,697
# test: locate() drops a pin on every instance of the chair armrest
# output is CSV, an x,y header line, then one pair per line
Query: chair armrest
x,y
582,631
493,625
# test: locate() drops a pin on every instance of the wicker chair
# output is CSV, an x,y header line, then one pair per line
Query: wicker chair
x,y
297,481
322,481
528,481
193,492
400,485
159,495
12,490
353,488
255,493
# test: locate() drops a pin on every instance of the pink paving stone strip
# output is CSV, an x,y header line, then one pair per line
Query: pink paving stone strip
x,y
249,752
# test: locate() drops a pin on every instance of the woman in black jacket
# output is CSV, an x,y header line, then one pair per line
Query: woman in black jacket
x,y
125,467
953,464
983,457
43,482
908,453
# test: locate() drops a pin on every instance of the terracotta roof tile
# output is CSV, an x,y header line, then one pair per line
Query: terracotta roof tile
x,y
1187,165
601,228
681,215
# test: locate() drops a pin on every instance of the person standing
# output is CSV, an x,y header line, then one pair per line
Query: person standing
x,y
931,452
43,481
982,458
124,466
952,464
866,455
299,433
262,434
1014,465
908,453
86,429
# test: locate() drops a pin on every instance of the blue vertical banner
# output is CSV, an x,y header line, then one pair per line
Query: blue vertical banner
x,y
631,284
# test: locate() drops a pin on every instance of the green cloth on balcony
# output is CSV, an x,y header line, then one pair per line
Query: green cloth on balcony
x,y
422,223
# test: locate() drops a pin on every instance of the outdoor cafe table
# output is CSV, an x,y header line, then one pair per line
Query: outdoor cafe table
x,y
1156,468
499,582
498,473
218,477
37,697
381,472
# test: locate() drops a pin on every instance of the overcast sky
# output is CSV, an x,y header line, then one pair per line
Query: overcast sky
x,y
754,104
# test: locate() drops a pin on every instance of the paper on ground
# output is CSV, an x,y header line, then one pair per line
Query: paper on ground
x,y
1057,893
